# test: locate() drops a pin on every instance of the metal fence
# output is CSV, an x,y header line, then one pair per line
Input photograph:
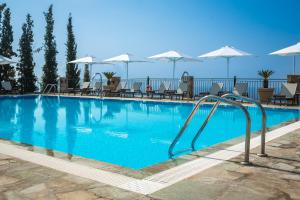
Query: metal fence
x,y
204,84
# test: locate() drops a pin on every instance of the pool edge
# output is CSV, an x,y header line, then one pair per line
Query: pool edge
x,y
148,184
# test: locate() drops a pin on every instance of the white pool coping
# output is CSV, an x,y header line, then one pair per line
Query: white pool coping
x,y
149,184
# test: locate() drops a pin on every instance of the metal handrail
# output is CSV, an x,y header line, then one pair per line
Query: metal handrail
x,y
45,88
101,82
264,119
197,106
50,86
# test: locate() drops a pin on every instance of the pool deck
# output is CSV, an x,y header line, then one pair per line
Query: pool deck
x,y
273,177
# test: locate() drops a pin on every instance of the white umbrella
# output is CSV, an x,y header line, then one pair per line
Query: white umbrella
x,y
293,50
87,60
84,60
225,52
124,58
173,56
4,60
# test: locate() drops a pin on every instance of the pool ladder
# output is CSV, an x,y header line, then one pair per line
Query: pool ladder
x,y
49,87
100,91
225,99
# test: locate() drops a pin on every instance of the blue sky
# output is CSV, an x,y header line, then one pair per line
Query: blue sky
x,y
105,28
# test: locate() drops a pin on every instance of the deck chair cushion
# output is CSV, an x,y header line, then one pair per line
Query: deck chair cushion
x,y
97,86
121,86
240,89
165,85
216,88
6,85
183,87
136,86
288,90
85,85
161,88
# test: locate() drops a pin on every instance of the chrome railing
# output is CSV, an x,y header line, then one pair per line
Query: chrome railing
x,y
100,89
263,120
49,87
214,108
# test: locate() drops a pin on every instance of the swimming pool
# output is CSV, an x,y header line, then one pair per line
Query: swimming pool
x,y
133,134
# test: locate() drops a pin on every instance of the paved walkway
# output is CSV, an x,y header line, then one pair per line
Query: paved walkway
x,y
275,177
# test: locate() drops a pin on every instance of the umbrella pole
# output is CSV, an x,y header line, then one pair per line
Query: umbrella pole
x,y
90,72
294,65
174,65
227,67
127,72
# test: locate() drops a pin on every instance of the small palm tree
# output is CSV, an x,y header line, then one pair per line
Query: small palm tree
x,y
265,74
108,76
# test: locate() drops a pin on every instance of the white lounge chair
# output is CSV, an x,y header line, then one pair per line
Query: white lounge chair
x,y
215,89
85,89
121,87
6,88
161,92
136,89
241,89
287,93
97,88
181,91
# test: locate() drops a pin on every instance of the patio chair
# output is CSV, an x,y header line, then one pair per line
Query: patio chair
x,y
163,88
136,89
7,88
287,93
85,88
97,89
215,89
181,91
119,89
241,89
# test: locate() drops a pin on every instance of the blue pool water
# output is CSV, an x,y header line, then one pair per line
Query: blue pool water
x,y
133,134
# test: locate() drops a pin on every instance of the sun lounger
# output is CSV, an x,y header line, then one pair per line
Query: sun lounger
x,y
136,89
181,91
287,93
97,89
215,89
7,88
85,88
119,89
162,91
241,89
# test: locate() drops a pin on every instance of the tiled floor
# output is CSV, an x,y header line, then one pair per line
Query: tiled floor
x,y
274,177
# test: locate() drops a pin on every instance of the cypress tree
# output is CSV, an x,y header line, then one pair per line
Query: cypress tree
x,y
2,6
7,72
72,72
86,75
50,67
26,64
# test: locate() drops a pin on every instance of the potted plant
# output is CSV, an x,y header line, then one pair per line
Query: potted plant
x,y
265,93
108,76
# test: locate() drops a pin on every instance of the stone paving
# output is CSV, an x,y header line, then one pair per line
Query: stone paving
x,y
274,177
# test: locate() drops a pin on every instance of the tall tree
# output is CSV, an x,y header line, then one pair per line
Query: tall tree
x,y
26,65
86,75
50,67
2,6
72,72
7,72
